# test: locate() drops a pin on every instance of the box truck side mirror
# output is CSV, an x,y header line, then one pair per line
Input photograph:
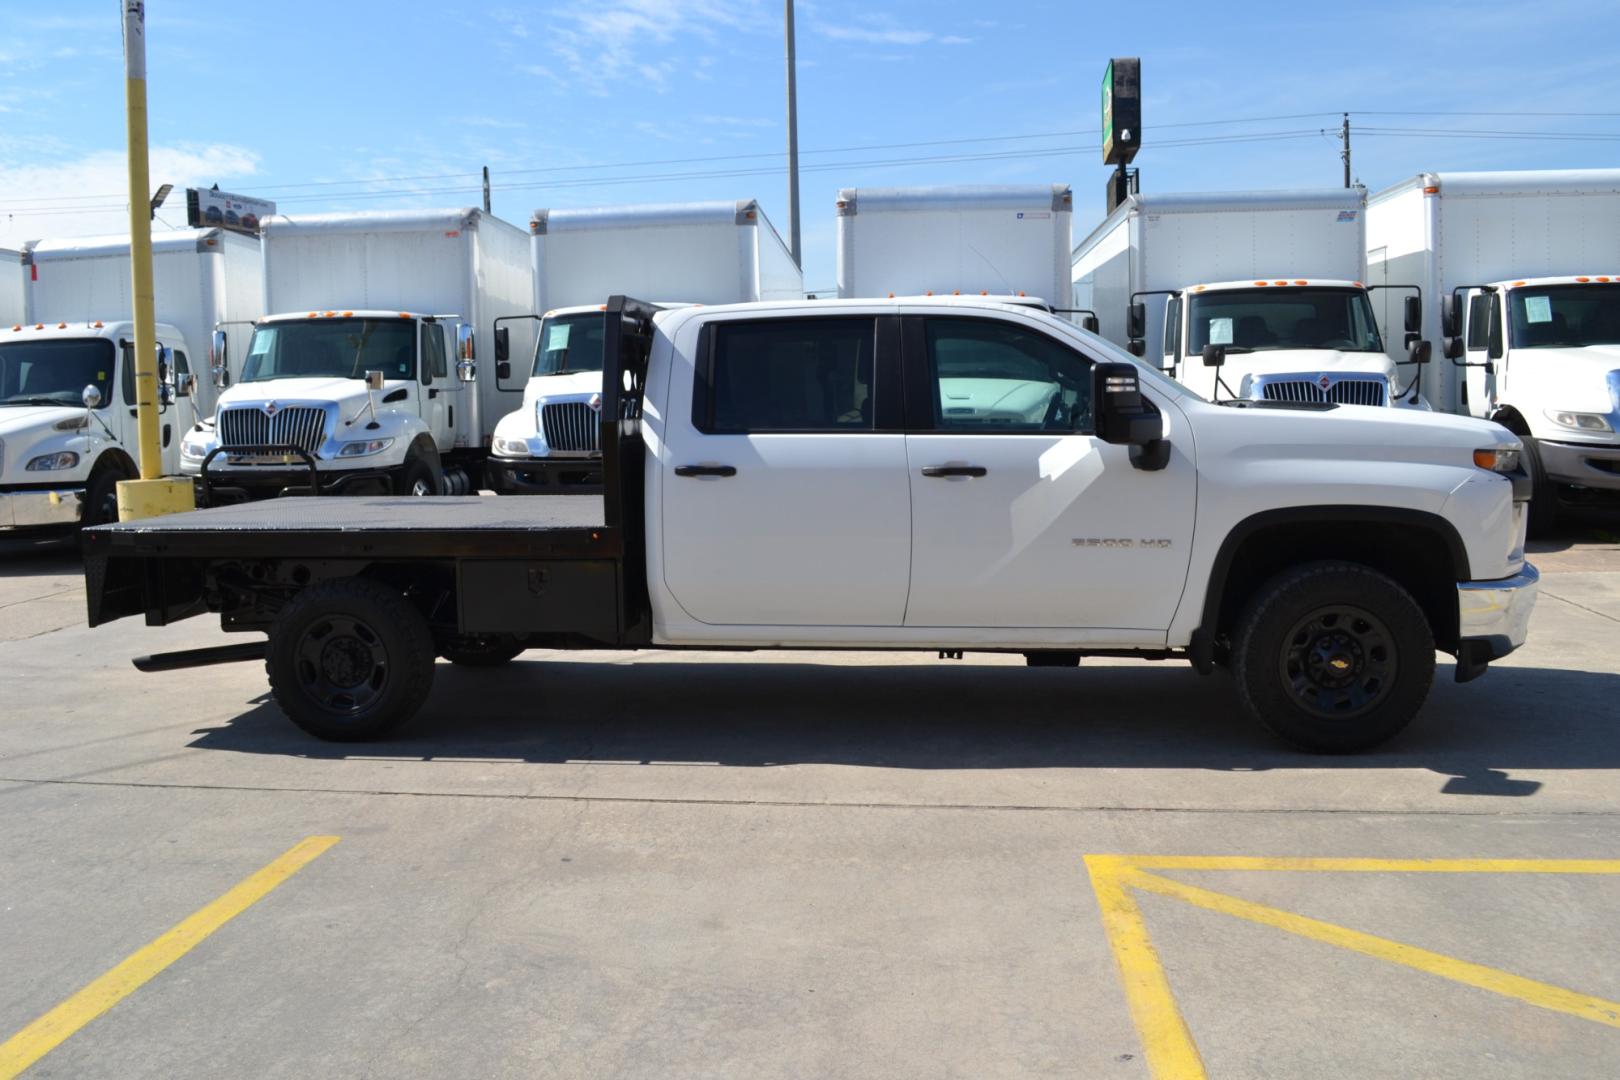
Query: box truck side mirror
x,y
1414,314
1418,352
216,359
91,396
503,345
1448,318
374,380
1215,356
1136,321
1089,323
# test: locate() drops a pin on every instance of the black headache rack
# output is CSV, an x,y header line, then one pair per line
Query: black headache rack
x,y
553,569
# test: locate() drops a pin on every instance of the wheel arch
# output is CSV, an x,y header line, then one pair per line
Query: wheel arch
x,y
1421,551
114,457
1512,419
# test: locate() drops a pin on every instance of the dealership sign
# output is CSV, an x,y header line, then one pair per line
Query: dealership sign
x,y
211,207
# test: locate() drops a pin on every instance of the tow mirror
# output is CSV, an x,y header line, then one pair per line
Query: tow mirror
x,y
91,396
1448,317
216,359
1089,323
374,380
1418,352
1215,356
503,345
1126,418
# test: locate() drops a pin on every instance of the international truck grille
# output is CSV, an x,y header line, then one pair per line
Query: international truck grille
x,y
1343,392
248,425
571,427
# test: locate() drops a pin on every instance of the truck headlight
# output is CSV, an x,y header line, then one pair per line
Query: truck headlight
x,y
64,459
192,451
1497,459
1579,421
364,448
510,447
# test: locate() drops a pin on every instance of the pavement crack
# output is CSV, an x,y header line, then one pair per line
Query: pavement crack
x,y
1583,607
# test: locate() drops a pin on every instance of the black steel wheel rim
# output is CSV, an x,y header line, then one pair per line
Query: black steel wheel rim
x,y
342,664
1338,662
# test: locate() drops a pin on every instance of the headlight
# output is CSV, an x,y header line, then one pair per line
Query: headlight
x,y
65,459
1579,421
1497,459
193,451
364,448
510,447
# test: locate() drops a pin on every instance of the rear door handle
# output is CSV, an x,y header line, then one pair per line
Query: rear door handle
x,y
705,470
955,470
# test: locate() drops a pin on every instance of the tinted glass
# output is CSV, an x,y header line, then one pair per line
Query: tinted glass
x,y
812,375
1564,316
996,376
433,351
570,343
1479,321
1293,318
55,372
333,349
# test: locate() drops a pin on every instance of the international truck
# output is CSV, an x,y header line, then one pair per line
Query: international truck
x,y
1010,240
890,474
1526,268
704,253
1256,295
67,387
362,375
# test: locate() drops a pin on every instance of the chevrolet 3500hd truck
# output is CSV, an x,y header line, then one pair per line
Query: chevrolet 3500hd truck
x,y
63,456
701,253
1256,295
886,475
362,375
1526,266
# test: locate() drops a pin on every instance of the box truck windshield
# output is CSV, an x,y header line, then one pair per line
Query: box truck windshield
x,y
54,372
1255,320
333,349
569,343
1564,316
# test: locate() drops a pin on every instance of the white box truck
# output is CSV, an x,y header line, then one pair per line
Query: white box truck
x,y
1255,295
12,296
67,388
991,240
1525,267
697,253
361,377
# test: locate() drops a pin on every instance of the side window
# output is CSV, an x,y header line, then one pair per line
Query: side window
x,y
786,375
1172,330
432,352
1493,341
993,376
1479,318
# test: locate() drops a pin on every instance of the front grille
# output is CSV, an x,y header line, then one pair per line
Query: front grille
x,y
298,425
571,427
1343,392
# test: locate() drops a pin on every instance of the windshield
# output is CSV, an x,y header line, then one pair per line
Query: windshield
x,y
55,372
1257,320
1564,316
332,348
570,343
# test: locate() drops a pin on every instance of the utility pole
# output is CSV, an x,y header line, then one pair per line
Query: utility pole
x,y
793,144
1344,134
151,495
486,189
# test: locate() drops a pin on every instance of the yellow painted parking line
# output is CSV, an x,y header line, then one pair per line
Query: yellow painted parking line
x,y
51,1030
1166,1041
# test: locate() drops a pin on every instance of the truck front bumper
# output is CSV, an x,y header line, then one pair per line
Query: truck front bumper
x,y
546,476
40,508
1493,619
1585,464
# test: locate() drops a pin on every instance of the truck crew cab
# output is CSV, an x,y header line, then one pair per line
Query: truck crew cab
x,y
1542,358
875,474
67,419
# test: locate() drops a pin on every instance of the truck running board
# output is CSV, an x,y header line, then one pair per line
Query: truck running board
x,y
190,658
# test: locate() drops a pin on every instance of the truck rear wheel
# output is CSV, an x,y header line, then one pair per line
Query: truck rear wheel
x,y
1333,657
350,660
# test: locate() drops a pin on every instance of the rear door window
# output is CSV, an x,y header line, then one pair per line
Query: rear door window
x,y
787,375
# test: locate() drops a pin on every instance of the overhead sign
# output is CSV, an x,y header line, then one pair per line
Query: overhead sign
x,y
1121,110
208,207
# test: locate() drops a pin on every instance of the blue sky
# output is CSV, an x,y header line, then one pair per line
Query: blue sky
x,y
325,105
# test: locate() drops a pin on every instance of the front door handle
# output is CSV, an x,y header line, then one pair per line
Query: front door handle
x,y
705,470
954,470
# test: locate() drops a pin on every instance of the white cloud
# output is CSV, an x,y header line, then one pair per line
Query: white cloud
x,y
883,30
85,196
604,43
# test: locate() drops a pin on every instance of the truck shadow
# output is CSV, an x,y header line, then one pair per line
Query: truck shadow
x,y
39,557
762,714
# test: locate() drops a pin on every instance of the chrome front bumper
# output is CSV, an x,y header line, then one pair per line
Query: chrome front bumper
x,y
40,509
1493,617
1594,465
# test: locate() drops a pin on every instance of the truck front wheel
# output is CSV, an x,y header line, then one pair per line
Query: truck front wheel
x,y
1333,657
350,660
419,477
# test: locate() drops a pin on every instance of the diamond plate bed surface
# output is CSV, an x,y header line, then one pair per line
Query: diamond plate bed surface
x,y
338,514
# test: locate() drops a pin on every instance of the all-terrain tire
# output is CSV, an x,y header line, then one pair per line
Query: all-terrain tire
x,y
1333,657
350,660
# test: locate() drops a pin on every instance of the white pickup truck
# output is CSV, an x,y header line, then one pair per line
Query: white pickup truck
x,y
876,474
